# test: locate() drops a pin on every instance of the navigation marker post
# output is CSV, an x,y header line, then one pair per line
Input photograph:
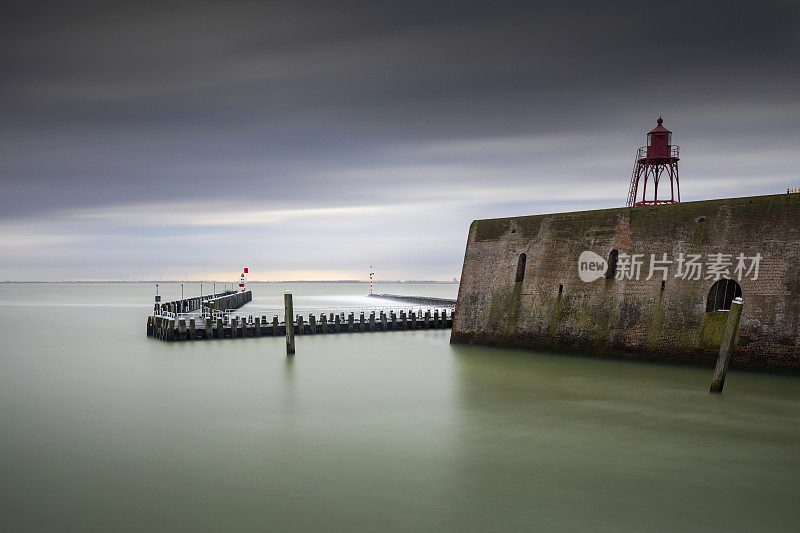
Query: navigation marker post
x,y
726,348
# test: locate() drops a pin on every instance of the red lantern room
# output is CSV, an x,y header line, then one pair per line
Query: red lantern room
x,y
656,160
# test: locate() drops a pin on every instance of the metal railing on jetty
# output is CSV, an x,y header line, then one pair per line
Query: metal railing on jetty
x,y
224,300
217,322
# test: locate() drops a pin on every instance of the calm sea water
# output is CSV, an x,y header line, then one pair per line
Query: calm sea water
x,y
105,429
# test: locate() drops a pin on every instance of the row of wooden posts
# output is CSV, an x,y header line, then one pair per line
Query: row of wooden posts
x,y
197,328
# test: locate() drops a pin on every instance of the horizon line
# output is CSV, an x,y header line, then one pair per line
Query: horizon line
x,y
450,282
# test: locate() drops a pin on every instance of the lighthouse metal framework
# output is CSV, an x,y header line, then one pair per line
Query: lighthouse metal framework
x,y
657,160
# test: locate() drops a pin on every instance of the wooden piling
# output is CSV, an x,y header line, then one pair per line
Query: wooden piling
x,y
350,320
288,314
726,348
383,321
234,328
323,322
372,321
257,329
220,331
192,330
362,323
171,329
312,324
301,329
276,330
337,325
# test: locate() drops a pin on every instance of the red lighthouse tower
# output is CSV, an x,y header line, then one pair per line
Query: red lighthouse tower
x,y
657,160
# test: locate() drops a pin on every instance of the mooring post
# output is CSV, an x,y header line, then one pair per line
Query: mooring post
x,y
372,321
220,332
323,323
312,323
192,330
288,313
383,321
208,331
413,320
726,348
350,320
337,324
361,323
301,329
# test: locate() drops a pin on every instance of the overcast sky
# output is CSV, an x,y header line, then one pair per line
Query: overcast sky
x,y
310,140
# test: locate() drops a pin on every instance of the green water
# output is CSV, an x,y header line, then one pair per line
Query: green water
x,y
104,429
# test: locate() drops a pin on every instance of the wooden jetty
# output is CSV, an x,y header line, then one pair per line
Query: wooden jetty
x,y
222,300
214,318
421,300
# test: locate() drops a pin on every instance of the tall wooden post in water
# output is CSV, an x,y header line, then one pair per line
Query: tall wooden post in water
x,y
726,348
289,320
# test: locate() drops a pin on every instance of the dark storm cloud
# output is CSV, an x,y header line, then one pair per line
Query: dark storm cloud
x,y
471,108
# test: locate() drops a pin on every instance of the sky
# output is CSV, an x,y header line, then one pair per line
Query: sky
x,y
310,140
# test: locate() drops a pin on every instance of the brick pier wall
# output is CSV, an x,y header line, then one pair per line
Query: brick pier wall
x,y
552,308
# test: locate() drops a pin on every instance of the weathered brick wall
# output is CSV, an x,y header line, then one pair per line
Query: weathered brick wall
x,y
626,317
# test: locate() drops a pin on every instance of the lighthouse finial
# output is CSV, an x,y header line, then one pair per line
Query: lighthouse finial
x,y
660,120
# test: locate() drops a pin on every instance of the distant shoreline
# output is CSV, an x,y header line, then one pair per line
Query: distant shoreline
x,y
410,282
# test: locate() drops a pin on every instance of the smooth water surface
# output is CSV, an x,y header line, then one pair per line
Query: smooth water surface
x,y
105,429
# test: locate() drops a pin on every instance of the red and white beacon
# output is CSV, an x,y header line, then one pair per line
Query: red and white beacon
x,y
243,280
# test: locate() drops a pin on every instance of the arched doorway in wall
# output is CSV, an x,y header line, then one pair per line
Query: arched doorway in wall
x,y
721,295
